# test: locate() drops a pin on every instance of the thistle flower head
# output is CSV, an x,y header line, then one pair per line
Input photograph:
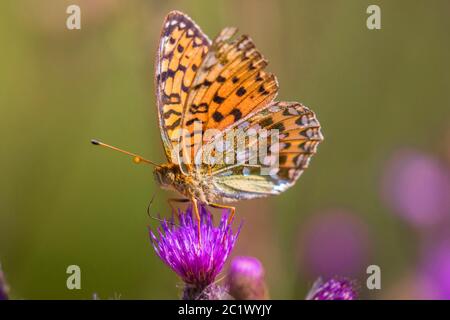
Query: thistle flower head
x,y
196,262
334,242
435,267
246,279
333,289
3,286
416,186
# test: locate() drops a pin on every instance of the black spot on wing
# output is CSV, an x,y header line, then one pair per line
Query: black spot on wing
x,y
266,122
191,121
218,99
236,113
167,114
184,88
241,91
174,125
201,108
205,83
220,79
167,74
258,77
278,126
168,55
173,98
217,116
262,90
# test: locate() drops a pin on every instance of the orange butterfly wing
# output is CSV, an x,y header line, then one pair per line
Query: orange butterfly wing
x,y
181,51
222,85
230,86
252,175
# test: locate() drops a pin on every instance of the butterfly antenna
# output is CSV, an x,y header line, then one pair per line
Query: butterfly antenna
x,y
136,158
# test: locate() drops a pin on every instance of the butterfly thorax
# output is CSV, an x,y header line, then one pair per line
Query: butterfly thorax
x,y
169,176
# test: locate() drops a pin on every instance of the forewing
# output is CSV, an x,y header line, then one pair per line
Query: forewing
x,y
230,86
182,49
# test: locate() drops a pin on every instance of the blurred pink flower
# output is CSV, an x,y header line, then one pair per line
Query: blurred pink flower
x,y
3,286
246,279
334,243
435,268
417,187
333,289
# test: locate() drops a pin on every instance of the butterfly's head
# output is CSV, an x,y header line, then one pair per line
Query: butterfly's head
x,y
165,175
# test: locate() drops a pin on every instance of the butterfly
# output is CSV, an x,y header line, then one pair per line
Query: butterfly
x,y
221,86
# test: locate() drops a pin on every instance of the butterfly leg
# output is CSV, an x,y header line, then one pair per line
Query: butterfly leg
x,y
221,206
197,216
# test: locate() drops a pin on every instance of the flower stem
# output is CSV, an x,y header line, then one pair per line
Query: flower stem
x,y
192,292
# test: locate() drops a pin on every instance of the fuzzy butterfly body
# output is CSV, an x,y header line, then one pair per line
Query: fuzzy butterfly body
x,y
220,86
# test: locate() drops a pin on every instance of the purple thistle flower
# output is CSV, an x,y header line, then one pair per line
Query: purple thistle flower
x,y
333,289
416,187
197,264
332,242
3,286
246,279
435,267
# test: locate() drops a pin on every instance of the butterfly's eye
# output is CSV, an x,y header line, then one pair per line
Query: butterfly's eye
x,y
164,176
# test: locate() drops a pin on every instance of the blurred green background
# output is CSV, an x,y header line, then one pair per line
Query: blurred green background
x,y
65,202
